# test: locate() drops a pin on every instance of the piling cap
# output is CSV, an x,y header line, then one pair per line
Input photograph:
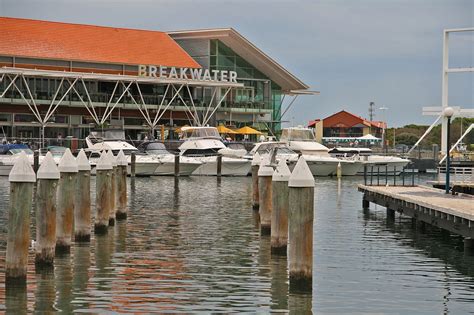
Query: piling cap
x,y
282,172
112,158
256,159
301,176
82,161
265,169
104,163
22,172
67,163
121,159
48,168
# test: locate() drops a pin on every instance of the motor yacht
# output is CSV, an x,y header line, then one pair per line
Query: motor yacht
x,y
204,144
145,165
187,165
8,155
321,163
376,163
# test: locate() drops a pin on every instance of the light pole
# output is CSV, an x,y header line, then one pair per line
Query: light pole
x,y
448,112
383,109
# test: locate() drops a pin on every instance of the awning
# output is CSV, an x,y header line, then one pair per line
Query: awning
x,y
247,131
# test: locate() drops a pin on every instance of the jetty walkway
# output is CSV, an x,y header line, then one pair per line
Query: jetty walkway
x,y
454,213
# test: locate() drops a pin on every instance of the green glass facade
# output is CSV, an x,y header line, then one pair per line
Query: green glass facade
x,y
258,91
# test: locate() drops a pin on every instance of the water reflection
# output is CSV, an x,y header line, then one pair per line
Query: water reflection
x,y
16,298
45,294
193,245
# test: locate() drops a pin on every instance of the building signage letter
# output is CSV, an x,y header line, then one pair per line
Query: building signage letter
x,y
187,73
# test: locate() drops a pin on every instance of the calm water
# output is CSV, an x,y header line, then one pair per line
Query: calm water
x,y
194,245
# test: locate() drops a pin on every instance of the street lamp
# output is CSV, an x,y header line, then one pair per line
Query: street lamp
x,y
448,112
384,137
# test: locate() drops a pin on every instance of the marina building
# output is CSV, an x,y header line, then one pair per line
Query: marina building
x,y
64,80
345,127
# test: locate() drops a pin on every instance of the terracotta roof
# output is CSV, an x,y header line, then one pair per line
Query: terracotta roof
x,y
77,42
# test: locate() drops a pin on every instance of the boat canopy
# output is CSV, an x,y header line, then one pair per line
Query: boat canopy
x,y
297,134
4,148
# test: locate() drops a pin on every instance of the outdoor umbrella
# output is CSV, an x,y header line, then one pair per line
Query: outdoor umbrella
x,y
247,131
223,129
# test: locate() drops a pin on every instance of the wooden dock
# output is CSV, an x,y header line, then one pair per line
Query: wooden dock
x,y
454,213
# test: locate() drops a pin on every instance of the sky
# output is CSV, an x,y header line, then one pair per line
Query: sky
x,y
353,51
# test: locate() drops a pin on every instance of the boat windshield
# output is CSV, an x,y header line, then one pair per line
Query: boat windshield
x,y
297,135
16,151
267,148
156,148
206,132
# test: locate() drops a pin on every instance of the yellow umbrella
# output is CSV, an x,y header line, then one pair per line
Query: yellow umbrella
x,y
247,131
224,129
178,130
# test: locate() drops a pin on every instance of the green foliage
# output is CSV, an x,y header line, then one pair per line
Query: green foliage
x,y
408,133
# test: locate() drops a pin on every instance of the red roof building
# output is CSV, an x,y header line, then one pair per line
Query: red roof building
x,y
345,124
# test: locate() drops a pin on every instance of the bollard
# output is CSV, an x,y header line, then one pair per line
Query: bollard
x,y
279,230
133,159
22,179
82,207
339,170
48,176
219,165
122,186
301,208
265,173
176,165
102,201
255,165
113,188
65,207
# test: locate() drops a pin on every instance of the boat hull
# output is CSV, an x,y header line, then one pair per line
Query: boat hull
x,y
230,166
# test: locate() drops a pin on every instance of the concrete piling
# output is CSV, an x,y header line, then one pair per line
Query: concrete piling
x,y
82,207
339,170
48,177
22,179
65,203
103,186
113,188
255,165
122,186
279,230
265,173
301,209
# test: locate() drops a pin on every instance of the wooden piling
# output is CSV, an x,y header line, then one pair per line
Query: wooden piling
x,y
103,186
279,230
255,165
301,208
265,173
36,161
122,186
48,176
219,165
176,165
133,160
339,170
113,188
469,245
66,199
82,207
22,179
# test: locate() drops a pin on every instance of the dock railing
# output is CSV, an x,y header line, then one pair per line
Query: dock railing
x,y
457,174
383,175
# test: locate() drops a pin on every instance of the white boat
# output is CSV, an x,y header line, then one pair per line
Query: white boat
x,y
145,165
277,148
373,162
204,144
321,163
9,153
187,165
